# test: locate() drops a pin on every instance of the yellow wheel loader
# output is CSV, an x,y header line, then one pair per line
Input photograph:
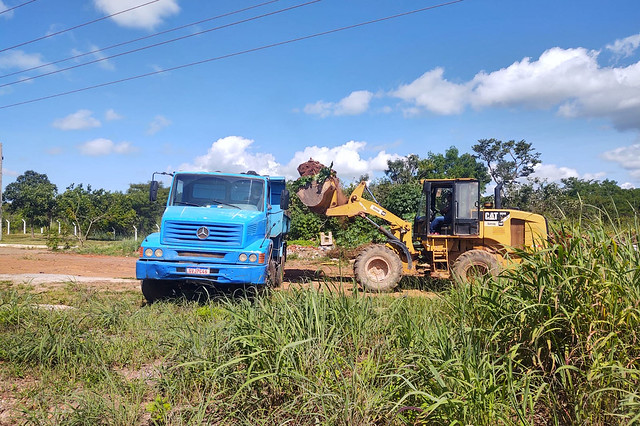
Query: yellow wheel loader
x,y
452,234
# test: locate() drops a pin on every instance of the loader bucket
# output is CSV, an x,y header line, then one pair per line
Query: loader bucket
x,y
320,197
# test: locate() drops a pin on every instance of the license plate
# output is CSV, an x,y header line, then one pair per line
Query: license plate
x,y
198,271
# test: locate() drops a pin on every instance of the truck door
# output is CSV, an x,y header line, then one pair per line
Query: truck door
x,y
467,199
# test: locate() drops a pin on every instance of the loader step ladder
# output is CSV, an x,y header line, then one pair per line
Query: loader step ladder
x,y
441,258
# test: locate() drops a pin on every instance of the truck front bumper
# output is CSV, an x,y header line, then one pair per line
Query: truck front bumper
x,y
217,273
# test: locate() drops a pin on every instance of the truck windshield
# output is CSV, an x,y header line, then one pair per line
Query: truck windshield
x,y
231,192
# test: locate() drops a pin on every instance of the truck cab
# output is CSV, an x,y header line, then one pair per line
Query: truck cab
x,y
217,229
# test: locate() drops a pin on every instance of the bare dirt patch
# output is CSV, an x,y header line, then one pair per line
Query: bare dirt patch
x,y
46,270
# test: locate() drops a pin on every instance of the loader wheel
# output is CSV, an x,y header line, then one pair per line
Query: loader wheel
x,y
377,269
155,290
475,264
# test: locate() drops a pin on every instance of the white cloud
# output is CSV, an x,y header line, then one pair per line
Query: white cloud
x,y
158,123
97,55
232,154
625,47
628,157
145,17
627,185
6,15
235,154
20,60
10,173
81,119
356,103
112,115
570,80
347,160
433,93
54,150
101,147
555,173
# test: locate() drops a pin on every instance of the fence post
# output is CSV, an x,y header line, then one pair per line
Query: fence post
x,y
8,227
58,226
24,226
135,232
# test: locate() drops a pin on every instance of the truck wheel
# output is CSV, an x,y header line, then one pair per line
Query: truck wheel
x,y
377,269
155,290
475,264
279,275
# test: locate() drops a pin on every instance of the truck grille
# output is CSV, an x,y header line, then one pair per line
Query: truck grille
x,y
228,235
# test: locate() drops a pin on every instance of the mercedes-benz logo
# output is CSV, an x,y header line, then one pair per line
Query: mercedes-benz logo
x,y
202,232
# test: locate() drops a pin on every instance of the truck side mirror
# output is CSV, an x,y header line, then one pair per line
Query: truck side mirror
x,y
153,190
284,199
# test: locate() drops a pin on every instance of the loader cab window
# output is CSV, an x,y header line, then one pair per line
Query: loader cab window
x,y
442,211
452,207
467,199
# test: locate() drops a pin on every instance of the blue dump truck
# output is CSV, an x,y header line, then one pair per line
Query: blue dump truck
x,y
218,230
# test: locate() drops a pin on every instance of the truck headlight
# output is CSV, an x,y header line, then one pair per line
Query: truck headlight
x,y
242,257
148,252
253,257
158,253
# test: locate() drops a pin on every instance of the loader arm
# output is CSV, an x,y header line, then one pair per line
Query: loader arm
x,y
357,205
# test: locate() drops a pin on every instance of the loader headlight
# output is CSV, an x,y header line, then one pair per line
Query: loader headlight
x,y
253,257
148,252
242,257
158,253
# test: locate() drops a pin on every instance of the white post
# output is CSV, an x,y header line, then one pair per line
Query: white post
x,y
114,233
158,227
24,226
41,230
75,229
135,232
8,227
58,226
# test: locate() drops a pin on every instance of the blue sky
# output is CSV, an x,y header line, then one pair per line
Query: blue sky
x,y
563,75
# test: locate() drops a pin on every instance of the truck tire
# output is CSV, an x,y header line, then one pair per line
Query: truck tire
x,y
156,290
279,275
377,269
474,264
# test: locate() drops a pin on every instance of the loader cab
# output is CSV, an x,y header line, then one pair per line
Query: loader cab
x,y
448,207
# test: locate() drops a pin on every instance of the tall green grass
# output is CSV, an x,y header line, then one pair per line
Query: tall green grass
x,y
554,341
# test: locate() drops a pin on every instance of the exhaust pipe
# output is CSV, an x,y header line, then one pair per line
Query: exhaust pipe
x,y
497,196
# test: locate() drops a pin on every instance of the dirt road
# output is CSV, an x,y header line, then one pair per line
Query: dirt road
x,y
41,266
45,270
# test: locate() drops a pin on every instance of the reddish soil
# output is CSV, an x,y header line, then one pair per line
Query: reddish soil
x,y
48,269
41,261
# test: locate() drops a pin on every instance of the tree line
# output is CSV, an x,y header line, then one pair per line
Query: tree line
x,y
98,213
95,213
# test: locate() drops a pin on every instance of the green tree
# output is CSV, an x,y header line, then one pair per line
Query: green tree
x,y
88,208
403,170
32,195
148,214
452,165
507,161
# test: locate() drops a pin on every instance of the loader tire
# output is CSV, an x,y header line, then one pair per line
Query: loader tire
x,y
156,290
475,264
377,269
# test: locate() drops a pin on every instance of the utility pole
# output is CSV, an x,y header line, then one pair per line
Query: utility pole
x,y
1,158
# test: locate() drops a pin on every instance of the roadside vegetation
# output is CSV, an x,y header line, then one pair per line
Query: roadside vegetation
x,y
556,341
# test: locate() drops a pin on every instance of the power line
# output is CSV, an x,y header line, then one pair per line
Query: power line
x,y
230,55
140,38
160,43
78,26
17,6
